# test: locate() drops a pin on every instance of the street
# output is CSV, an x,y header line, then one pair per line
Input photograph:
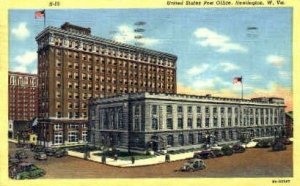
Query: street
x,y
254,162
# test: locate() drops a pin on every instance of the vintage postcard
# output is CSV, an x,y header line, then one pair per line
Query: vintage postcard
x,y
164,92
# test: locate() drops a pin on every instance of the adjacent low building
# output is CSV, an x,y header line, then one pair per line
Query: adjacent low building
x,y
140,121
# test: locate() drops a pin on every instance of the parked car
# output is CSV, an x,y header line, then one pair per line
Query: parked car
x,y
278,146
218,152
193,165
21,154
251,144
204,154
13,161
287,141
38,148
25,171
60,153
40,156
227,150
264,144
237,148
50,151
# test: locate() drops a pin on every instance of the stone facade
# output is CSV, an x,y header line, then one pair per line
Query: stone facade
x,y
148,120
75,66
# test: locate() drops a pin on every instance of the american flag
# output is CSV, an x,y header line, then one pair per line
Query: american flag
x,y
237,80
39,14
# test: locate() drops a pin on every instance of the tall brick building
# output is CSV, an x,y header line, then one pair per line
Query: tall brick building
x,y
74,66
23,102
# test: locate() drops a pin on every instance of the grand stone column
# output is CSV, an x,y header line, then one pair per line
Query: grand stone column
x,y
175,116
185,116
194,117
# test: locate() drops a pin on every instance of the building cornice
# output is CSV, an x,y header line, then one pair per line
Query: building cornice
x,y
96,39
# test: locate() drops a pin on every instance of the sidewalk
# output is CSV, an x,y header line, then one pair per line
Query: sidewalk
x,y
127,163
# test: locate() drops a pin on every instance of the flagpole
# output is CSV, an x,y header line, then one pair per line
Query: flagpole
x,y
242,87
44,18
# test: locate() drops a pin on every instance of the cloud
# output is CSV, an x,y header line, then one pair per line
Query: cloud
x,y
197,70
209,83
255,77
21,32
228,66
221,43
284,74
126,34
23,61
26,58
275,60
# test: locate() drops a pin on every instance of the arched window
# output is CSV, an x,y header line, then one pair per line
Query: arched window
x,y
170,140
181,139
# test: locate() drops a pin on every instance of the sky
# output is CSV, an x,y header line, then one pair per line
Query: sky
x,y
212,45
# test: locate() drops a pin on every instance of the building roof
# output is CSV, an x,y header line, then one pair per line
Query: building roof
x,y
108,42
187,98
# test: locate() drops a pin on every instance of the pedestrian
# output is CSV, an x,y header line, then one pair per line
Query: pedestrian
x,y
103,159
116,157
167,158
132,159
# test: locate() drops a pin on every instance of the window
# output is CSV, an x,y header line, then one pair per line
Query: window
x,y
137,110
136,124
58,138
191,139
200,138
169,109
198,110
73,126
169,123
73,136
207,110
84,136
57,126
223,135
231,135
215,110
154,124
199,120
58,114
154,109
190,109
179,109
170,140
181,139
230,122
206,122
215,121
222,122
190,123
180,123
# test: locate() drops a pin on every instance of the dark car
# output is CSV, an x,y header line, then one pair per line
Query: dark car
x,y
38,148
264,144
14,161
204,154
227,150
50,151
286,141
40,156
218,152
193,165
278,146
60,153
21,154
237,148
